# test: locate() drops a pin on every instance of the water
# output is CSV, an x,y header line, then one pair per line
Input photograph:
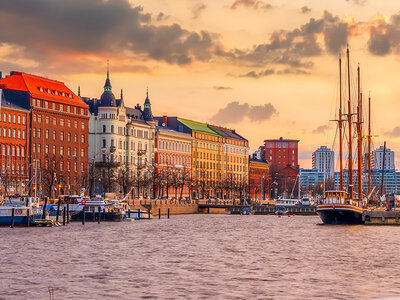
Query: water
x,y
201,257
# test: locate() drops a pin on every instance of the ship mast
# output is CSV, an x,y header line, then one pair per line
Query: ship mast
x,y
359,135
349,120
340,121
369,145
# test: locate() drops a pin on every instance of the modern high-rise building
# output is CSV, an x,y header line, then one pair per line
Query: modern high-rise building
x,y
377,159
282,152
323,160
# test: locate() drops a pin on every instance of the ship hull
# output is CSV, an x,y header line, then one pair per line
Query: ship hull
x,y
340,215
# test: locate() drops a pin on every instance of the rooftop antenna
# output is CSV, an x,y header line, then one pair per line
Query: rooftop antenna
x,y
79,90
108,68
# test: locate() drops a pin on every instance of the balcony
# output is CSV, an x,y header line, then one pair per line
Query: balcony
x,y
141,152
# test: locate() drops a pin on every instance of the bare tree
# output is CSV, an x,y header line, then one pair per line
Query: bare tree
x,y
50,172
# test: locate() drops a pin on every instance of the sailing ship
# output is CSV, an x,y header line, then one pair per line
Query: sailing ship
x,y
340,206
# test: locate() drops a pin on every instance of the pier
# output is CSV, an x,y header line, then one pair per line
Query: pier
x,y
381,217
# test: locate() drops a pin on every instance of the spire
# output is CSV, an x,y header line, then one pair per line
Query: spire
x,y
122,95
147,114
107,85
147,93
79,91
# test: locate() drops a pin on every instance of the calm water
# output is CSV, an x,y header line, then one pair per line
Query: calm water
x,y
201,257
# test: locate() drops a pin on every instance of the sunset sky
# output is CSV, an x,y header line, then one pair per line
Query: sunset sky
x,y
266,68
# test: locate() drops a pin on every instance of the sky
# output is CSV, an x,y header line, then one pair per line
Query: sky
x,y
268,69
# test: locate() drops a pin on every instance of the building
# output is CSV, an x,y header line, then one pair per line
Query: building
x,y
121,144
173,158
207,152
59,132
377,159
234,162
284,181
259,153
323,160
281,152
309,179
14,142
258,179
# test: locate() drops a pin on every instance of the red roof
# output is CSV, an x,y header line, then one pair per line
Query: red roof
x,y
42,88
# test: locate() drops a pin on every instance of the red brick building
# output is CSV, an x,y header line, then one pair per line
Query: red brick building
x,y
14,159
258,179
284,181
282,152
173,162
58,127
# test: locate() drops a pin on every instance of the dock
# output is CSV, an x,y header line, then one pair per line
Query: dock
x,y
381,217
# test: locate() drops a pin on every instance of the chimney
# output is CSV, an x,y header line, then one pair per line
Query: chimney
x,y
1,75
165,121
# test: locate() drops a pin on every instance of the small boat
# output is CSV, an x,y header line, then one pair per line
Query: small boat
x,y
26,211
280,211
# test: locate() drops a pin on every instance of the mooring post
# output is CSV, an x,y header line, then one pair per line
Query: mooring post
x,y
129,213
44,209
68,211
159,213
99,215
64,215
168,212
148,215
58,210
83,216
28,218
138,213
12,217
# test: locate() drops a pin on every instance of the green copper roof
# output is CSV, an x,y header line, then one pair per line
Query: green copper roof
x,y
198,127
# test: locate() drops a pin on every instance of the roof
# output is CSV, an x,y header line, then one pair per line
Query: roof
x,y
169,131
228,133
8,104
198,127
281,140
39,87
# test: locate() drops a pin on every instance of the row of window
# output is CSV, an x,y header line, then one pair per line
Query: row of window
x,y
58,106
38,133
18,169
207,137
133,132
173,159
174,146
37,148
13,151
12,133
14,119
123,145
57,121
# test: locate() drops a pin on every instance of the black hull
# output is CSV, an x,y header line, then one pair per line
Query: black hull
x,y
104,216
340,216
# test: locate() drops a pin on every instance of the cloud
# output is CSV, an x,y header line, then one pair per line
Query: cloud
x,y
293,71
254,74
161,17
295,48
236,112
61,31
219,87
255,4
320,129
395,132
305,10
198,9
358,2
385,35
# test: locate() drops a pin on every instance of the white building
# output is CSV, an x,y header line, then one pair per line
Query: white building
x,y
377,159
323,160
120,138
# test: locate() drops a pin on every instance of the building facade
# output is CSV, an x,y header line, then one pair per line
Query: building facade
x,y
282,152
235,163
310,179
258,179
121,144
14,141
323,160
58,129
173,158
377,159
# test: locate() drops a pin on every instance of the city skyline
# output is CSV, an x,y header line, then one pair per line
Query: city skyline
x,y
270,72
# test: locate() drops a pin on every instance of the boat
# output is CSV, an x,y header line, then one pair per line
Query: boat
x,y
26,211
340,206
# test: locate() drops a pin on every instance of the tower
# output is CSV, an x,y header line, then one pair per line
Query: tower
x,y
147,114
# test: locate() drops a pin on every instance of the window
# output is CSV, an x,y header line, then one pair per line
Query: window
x,y
54,149
19,119
61,107
69,136
47,149
54,121
23,120
47,133
104,143
39,133
83,125
40,118
112,128
62,135
54,135
47,120
75,138
104,128
76,124
61,150
69,151
83,139
69,122
82,152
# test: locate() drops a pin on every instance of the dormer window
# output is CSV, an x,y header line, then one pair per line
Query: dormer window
x,y
56,93
63,94
41,89
49,91
70,95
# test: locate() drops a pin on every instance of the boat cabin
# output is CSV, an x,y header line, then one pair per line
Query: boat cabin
x,y
286,202
335,197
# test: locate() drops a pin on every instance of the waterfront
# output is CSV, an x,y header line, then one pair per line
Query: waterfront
x,y
201,256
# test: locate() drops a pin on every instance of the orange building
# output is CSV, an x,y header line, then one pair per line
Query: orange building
x,y
258,179
58,126
14,158
173,162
